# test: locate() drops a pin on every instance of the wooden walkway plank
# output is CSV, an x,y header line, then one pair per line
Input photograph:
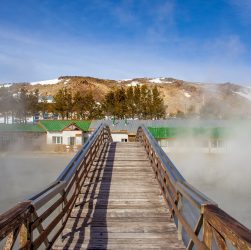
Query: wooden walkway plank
x,y
120,206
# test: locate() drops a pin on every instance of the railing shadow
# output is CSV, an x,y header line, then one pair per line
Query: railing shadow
x,y
94,204
98,230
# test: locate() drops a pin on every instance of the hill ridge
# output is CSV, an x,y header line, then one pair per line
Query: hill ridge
x,y
180,96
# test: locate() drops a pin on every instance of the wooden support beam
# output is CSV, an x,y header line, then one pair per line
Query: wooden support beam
x,y
197,229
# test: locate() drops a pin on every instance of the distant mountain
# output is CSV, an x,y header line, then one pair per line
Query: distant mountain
x,y
179,96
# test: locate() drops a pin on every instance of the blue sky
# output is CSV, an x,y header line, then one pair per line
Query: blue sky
x,y
197,40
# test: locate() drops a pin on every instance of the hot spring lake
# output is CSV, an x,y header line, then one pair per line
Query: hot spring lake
x,y
23,174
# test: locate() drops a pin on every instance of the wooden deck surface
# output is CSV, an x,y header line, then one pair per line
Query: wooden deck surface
x,y
120,207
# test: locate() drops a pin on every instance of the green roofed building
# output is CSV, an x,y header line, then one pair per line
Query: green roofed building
x,y
20,128
211,139
25,136
72,133
68,133
60,125
182,132
171,133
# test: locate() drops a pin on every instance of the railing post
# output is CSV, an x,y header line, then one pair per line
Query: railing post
x,y
11,238
63,194
207,234
23,237
179,206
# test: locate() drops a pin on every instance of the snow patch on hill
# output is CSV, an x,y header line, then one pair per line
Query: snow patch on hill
x,y
160,80
134,83
126,80
186,94
5,85
46,82
156,80
245,93
67,81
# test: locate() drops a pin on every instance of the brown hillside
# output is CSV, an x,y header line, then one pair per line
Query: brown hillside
x,y
178,95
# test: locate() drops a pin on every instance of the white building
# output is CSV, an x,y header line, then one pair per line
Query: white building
x,y
66,132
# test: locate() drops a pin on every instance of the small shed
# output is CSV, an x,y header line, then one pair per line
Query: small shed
x,y
22,136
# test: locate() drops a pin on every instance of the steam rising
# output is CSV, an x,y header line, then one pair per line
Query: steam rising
x,y
224,176
25,173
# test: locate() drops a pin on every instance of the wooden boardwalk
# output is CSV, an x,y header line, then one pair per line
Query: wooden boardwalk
x,y
120,206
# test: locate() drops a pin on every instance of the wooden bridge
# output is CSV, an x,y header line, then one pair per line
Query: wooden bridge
x,y
121,196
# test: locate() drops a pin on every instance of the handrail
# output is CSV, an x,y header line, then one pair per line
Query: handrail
x,y
11,216
192,194
51,207
68,168
176,175
82,152
223,226
201,224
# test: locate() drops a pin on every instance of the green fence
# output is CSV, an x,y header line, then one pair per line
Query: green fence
x,y
181,132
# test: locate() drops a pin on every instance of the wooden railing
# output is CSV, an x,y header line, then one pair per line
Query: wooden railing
x,y
201,224
38,221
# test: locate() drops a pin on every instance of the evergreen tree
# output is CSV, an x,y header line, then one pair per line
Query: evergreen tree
x,y
64,103
79,105
97,112
60,102
23,105
120,103
90,106
137,100
33,105
109,104
157,105
69,104
86,107
43,106
144,102
131,106
5,103
141,102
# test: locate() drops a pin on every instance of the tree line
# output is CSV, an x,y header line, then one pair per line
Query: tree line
x,y
133,102
139,102
80,105
19,106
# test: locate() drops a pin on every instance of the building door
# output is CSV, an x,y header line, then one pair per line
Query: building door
x,y
72,141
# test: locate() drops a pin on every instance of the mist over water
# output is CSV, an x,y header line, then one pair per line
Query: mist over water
x,y
224,177
25,173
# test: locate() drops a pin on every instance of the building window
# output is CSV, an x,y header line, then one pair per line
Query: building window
x,y
57,139
163,142
5,139
221,144
124,140
214,143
